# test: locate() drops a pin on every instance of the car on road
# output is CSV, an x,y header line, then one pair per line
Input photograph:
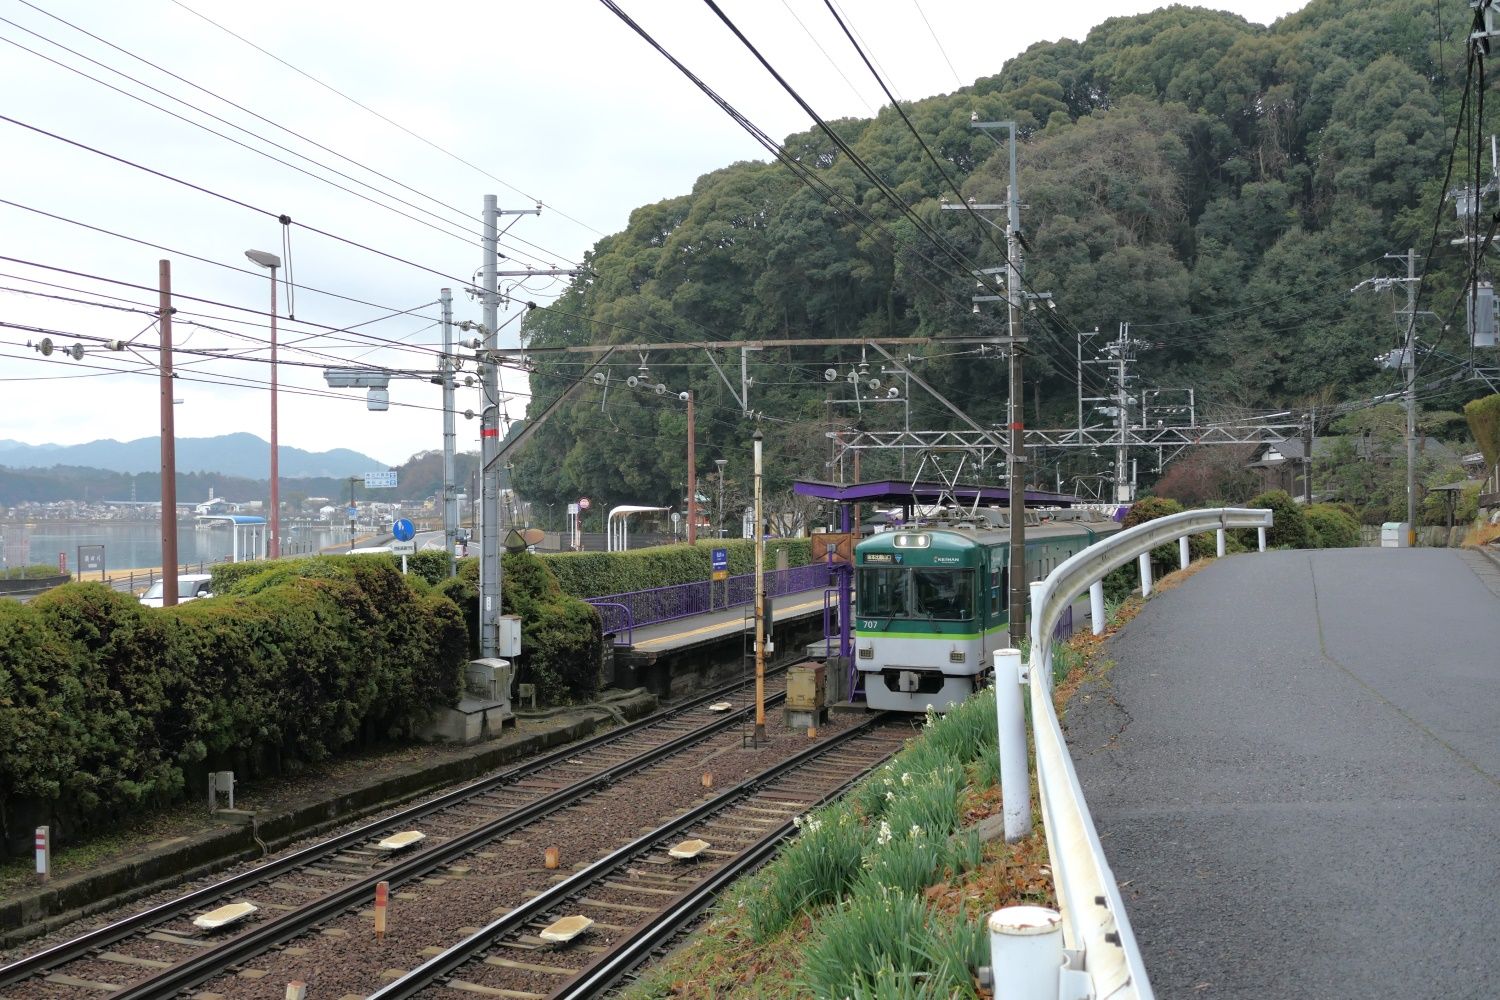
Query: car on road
x,y
190,587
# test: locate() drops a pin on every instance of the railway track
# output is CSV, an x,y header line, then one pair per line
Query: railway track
x,y
159,953
640,896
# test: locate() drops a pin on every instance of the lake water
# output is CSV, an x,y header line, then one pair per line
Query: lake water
x,y
137,545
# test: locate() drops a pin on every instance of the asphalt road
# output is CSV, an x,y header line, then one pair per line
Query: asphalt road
x,y
1294,766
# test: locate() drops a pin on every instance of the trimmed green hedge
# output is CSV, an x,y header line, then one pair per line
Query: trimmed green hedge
x,y
108,708
39,571
562,638
594,574
1331,527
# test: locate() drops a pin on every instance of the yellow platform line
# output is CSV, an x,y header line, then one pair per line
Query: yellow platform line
x,y
729,627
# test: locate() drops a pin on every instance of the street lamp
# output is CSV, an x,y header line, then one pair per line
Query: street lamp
x,y
271,261
721,462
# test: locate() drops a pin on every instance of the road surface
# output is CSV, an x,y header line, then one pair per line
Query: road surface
x,y
1295,769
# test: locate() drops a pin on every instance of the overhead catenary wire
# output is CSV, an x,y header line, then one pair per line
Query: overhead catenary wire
x,y
389,121
274,124
473,237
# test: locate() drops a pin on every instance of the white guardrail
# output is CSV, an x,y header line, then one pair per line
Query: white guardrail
x,y
1084,950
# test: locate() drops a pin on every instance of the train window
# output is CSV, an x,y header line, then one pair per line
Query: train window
x,y
997,591
882,592
943,594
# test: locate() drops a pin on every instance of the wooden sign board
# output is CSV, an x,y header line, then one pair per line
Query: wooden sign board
x,y
839,545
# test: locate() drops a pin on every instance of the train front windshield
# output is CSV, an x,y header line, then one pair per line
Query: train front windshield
x,y
916,592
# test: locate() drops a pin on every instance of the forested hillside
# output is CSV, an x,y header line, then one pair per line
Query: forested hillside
x,y
1220,185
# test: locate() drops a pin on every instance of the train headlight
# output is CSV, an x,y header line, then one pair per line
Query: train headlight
x,y
957,656
867,652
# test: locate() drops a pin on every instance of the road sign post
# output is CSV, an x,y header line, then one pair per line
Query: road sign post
x,y
405,534
719,563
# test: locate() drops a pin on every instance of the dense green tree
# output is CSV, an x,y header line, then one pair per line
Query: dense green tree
x,y
1219,185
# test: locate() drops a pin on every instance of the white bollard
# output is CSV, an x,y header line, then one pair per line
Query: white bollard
x,y
1010,719
1096,606
1182,552
1220,534
1026,952
43,853
1261,533
1145,561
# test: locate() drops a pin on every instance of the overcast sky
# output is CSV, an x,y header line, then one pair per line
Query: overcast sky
x,y
550,100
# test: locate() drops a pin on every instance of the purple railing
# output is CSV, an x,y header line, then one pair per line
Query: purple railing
x,y
623,612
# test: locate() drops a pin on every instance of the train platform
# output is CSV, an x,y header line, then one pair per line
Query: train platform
x,y
711,627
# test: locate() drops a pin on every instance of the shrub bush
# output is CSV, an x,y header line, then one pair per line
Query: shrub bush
x,y
594,574
107,708
37,571
562,638
1330,527
1289,529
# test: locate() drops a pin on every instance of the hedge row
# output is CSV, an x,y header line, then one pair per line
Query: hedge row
x,y
594,574
108,708
562,641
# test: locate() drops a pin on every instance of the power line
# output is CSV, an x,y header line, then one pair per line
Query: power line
x,y
389,121
923,14
285,220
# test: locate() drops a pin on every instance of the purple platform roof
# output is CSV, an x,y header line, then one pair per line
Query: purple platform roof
x,y
895,491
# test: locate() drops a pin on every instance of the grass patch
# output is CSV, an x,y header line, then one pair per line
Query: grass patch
x,y
883,896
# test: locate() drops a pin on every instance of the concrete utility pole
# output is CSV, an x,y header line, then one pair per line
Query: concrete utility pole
x,y
1015,459
1409,369
1409,376
445,373
168,444
760,604
489,424
692,475
1123,491
489,443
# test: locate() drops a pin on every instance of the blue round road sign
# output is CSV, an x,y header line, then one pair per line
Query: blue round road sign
x,y
403,530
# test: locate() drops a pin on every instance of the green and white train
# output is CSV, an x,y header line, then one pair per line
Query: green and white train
x,y
930,601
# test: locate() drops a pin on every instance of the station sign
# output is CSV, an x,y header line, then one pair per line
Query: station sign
x,y
719,562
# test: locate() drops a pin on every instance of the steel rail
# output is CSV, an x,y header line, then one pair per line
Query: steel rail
x,y
103,937
189,973
1096,929
455,957
635,949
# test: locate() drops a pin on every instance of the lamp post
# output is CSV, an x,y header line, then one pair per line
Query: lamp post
x,y
721,462
272,262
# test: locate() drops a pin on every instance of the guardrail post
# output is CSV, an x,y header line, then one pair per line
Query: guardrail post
x,y
1096,606
1145,563
1026,953
1010,718
1182,552
1041,647
1220,534
1261,535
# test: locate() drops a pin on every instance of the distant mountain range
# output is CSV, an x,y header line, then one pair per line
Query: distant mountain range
x,y
243,455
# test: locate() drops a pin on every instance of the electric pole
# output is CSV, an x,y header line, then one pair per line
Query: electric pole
x,y
489,432
445,372
1015,467
1409,369
168,445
